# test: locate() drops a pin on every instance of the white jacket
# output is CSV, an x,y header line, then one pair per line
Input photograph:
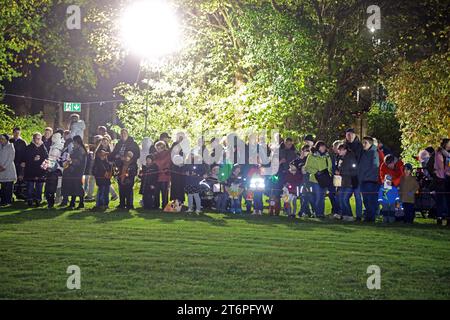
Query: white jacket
x,y
7,154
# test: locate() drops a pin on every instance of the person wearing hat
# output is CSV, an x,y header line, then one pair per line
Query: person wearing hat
x,y
309,140
8,173
408,189
389,199
393,167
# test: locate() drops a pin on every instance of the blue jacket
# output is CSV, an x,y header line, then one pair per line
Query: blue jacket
x,y
368,166
388,196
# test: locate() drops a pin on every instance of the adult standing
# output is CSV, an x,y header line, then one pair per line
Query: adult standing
x,y
47,138
35,154
72,180
347,170
442,181
354,144
318,165
368,177
163,161
126,146
8,173
19,146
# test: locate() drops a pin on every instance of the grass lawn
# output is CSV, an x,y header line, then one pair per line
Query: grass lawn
x,y
155,255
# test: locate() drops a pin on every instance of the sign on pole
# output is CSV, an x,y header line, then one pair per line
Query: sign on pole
x,y
72,107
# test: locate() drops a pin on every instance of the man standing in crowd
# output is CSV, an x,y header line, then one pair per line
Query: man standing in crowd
x,y
126,145
47,138
368,177
354,144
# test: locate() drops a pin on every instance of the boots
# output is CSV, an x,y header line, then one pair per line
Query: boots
x,y
81,204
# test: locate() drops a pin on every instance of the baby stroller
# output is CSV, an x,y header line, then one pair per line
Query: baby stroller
x,y
210,188
425,201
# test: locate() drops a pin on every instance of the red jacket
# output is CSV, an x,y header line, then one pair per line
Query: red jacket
x,y
163,161
293,181
395,173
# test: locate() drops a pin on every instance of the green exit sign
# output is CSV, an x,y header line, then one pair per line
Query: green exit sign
x,y
72,106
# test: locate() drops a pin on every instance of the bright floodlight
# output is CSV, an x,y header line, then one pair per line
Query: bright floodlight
x,y
150,28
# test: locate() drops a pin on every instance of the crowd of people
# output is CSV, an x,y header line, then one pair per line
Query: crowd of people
x,y
379,181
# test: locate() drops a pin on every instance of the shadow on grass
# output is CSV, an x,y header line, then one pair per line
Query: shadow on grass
x,y
20,213
102,216
170,217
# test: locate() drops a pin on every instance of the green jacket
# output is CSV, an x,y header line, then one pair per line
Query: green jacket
x,y
316,162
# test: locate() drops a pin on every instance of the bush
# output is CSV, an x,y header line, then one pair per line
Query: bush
x,y
29,124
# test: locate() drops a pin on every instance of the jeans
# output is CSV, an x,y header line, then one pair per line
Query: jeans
x,y
258,200
34,190
222,201
335,204
369,192
6,192
410,212
236,205
103,195
319,199
194,197
89,185
358,201
344,201
305,199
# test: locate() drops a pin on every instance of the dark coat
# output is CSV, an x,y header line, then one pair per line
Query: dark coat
x,y
20,146
33,158
99,171
356,147
72,181
368,166
149,179
348,170
121,148
177,183
194,173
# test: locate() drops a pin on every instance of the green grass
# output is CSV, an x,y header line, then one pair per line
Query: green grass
x,y
155,255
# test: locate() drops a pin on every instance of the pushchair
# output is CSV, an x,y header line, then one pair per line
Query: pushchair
x,y
425,201
210,189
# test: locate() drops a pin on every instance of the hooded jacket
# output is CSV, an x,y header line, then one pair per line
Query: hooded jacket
x,y
317,162
7,162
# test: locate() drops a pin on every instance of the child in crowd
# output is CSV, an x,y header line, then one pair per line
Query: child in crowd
x,y
127,173
293,180
389,199
235,190
194,174
102,171
149,180
89,182
408,189
257,186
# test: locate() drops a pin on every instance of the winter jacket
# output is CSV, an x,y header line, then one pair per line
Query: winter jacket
x,y
348,169
7,154
121,148
395,173
34,156
163,161
289,155
149,178
388,197
441,164
408,188
19,146
368,166
99,171
293,181
317,162
194,173
356,147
